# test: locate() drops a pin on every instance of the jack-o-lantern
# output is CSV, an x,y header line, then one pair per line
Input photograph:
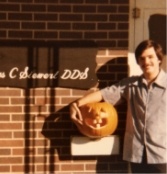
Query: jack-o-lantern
x,y
99,119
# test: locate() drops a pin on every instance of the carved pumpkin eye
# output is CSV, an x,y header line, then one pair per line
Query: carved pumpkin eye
x,y
99,119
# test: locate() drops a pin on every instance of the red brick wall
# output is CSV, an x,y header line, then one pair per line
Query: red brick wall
x,y
103,21
35,127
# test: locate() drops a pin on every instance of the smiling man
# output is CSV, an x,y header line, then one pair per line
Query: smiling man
x,y
145,142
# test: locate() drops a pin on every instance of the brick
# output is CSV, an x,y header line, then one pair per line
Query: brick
x,y
3,34
60,92
119,17
107,9
18,168
26,168
102,69
50,100
5,134
20,16
107,43
11,143
17,101
40,101
9,126
6,109
121,60
21,1
106,76
37,92
72,167
41,151
66,100
83,26
59,8
60,126
123,43
65,150
123,26
35,126
10,92
41,168
106,26
71,35
90,167
5,152
95,35
102,168
4,117
45,34
84,9
3,16
122,75
45,17
51,133
10,160
19,117
78,93
118,68
96,2
72,1
33,7
9,7
4,101
33,25
20,34
37,143
119,166
70,17
58,26
119,1
5,168
18,151
46,1
35,159
123,9
118,34
34,109
118,53
95,17
21,134
10,25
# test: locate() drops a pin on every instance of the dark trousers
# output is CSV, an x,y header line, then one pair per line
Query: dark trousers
x,y
148,168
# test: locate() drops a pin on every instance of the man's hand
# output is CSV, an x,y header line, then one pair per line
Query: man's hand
x,y
75,114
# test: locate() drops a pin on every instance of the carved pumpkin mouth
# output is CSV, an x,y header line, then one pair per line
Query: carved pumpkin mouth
x,y
96,123
99,119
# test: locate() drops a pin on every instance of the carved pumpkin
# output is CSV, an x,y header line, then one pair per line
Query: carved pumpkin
x,y
99,119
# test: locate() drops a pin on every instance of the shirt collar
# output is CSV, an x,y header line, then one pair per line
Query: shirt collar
x,y
161,79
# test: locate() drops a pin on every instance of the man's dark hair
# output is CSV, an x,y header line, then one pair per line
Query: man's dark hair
x,y
148,44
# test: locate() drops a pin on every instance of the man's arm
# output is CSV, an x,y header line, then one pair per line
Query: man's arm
x,y
90,98
75,113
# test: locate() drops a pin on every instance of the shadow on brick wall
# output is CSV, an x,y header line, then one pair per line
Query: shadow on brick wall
x,y
59,129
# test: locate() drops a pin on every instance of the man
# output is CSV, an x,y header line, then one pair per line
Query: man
x,y
145,143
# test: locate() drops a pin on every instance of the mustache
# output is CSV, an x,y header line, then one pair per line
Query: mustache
x,y
146,65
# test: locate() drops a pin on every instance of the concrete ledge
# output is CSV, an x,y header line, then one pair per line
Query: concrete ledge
x,y
84,146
